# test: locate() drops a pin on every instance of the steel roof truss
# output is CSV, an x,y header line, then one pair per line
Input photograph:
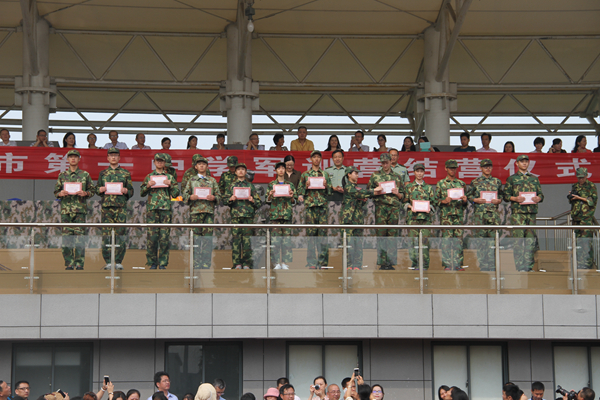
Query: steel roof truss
x,y
279,59
110,67
199,60
58,92
119,110
77,55
516,60
319,60
562,70
159,58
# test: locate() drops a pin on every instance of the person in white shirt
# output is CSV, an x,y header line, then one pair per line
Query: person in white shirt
x,y
114,136
253,143
356,142
5,136
486,138
140,138
162,383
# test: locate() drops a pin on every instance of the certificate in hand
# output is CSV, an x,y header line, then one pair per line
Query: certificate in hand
x,y
316,182
387,186
115,188
488,196
456,193
159,180
72,187
242,193
202,192
281,190
420,206
528,197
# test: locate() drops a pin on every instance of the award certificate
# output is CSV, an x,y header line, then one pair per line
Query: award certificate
x,y
528,197
202,192
316,182
420,206
281,190
115,188
387,186
456,193
242,193
488,196
72,187
159,181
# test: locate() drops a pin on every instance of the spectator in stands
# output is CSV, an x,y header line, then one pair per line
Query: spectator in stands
x,y
69,140
287,391
5,136
162,383
165,143
333,392
377,391
382,142
364,392
556,146
41,139
192,143
512,392
22,389
318,389
302,143
509,147
486,138
219,385
133,394
464,143
272,394
459,394
116,395
424,139
408,145
279,140
537,390
290,173
585,394
253,143
356,142
140,139
580,145
4,390
114,142
91,139
539,144
206,391
333,143
442,392
220,143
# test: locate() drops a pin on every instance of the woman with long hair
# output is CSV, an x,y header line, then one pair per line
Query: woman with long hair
x,y
290,173
580,145
192,143
509,147
408,145
69,140
91,139
165,143
377,392
333,143
382,142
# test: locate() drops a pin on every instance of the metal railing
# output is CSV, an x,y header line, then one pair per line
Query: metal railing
x,y
560,241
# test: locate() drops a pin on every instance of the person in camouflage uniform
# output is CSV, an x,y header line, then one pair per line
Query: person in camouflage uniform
x,y
451,213
523,214
170,170
114,207
228,177
280,212
73,209
397,167
352,214
202,210
387,212
191,172
485,213
159,211
316,210
242,212
583,198
419,190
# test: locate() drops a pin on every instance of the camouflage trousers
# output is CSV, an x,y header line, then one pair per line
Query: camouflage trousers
x,y
452,242
281,243
73,240
317,252
585,251
413,250
114,215
203,240
354,240
524,242
387,244
241,246
486,240
158,241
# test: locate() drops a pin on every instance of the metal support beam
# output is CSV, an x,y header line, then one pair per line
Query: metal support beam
x,y
460,19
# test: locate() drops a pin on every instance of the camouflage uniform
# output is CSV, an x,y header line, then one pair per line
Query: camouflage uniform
x,y
415,191
158,211
170,170
523,215
242,212
280,212
582,213
387,212
316,207
485,214
202,212
114,210
191,172
451,214
73,209
402,171
227,178
352,214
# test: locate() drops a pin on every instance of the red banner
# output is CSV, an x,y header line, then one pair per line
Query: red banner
x,y
47,163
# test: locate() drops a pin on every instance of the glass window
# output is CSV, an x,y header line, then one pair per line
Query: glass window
x,y
571,367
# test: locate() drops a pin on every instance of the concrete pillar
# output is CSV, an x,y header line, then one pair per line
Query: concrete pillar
x,y
240,96
33,91
437,108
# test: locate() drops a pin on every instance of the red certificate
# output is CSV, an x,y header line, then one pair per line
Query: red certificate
x,y
528,197
456,193
242,193
488,196
159,181
115,188
316,182
421,206
72,187
202,192
387,186
281,190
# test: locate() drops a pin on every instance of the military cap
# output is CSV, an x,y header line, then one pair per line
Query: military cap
x,y
232,161
418,166
159,156
451,164
167,159
250,175
315,152
198,158
280,164
352,168
485,162
73,153
113,150
581,172
523,157
242,165
385,157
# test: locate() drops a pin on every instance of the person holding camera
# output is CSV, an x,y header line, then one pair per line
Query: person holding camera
x,y
584,394
583,198
318,388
